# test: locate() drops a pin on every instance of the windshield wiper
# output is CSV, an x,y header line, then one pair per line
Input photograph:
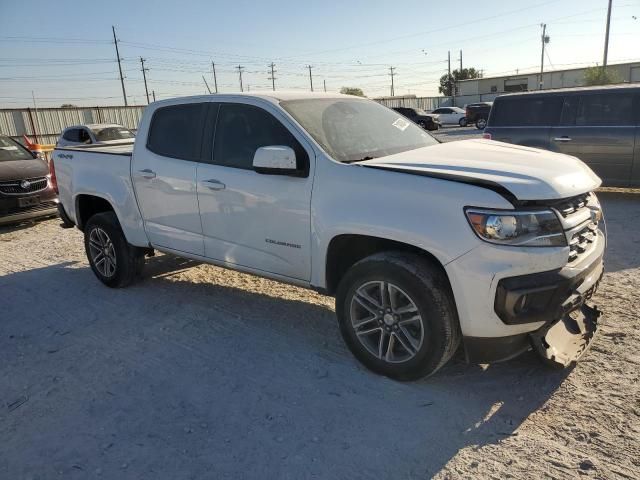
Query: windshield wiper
x,y
358,160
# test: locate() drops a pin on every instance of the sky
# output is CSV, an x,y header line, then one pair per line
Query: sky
x,y
63,51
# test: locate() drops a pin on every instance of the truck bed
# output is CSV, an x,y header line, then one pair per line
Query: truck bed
x,y
118,149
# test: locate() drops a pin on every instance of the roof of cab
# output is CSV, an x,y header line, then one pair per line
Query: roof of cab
x,y
273,97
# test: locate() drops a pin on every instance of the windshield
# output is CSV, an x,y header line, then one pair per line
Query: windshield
x,y
352,129
112,133
12,150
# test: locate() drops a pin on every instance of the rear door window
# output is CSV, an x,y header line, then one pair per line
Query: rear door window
x,y
176,131
613,109
72,135
527,112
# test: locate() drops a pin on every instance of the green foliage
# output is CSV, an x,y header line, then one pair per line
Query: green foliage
x,y
448,83
352,91
601,76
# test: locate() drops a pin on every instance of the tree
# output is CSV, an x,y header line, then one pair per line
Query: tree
x,y
352,91
68,105
601,76
448,83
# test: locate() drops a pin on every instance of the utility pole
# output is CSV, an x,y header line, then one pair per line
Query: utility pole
x,y
449,73
153,92
206,84
460,62
545,40
115,41
240,68
273,76
310,76
393,74
325,85
215,80
144,76
606,38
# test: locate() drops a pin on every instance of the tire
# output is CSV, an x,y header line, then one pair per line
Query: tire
x,y
432,340
422,125
481,124
121,262
463,122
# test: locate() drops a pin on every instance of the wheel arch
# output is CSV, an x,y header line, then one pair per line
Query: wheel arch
x,y
87,205
345,250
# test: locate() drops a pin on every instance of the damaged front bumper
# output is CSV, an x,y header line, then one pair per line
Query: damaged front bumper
x,y
560,299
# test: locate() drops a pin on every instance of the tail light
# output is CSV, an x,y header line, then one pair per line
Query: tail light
x,y
52,176
486,136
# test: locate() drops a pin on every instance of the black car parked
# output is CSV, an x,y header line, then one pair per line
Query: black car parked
x,y
478,113
26,190
419,116
599,125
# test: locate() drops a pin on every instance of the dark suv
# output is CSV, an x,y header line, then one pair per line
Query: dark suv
x,y
599,125
478,113
419,116
26,190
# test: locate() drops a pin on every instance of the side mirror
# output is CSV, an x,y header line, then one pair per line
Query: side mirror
x,y
275,160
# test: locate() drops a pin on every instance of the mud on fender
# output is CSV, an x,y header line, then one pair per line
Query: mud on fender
x,y
563,342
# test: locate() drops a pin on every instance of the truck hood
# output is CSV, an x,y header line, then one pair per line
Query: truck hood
x,y
520,172
22,169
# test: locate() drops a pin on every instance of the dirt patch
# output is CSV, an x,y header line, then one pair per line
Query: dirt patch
x,y
199,372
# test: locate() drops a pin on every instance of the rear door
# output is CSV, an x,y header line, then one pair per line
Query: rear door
x,y
525,120
599,128
164,177
446,115
250,219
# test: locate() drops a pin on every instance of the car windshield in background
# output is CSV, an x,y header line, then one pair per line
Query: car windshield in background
x,y
12,150
352,130
112,133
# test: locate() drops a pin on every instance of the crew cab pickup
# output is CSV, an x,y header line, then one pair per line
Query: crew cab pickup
x,y
425,245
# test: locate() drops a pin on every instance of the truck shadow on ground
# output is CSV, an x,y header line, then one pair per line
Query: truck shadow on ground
x,y
177,378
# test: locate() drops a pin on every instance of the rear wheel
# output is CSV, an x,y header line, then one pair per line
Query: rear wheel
x,y
112,259
397,315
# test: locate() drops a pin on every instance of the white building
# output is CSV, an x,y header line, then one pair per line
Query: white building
x,y
491,86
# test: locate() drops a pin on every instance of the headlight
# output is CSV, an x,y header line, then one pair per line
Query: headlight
x,y
540,228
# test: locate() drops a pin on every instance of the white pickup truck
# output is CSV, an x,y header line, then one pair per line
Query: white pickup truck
x,y
425,245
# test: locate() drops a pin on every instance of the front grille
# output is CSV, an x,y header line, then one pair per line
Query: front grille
x,y
581,241
36,208
572,205
17,187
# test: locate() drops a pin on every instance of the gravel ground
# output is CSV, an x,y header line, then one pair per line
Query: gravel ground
x,y
198,372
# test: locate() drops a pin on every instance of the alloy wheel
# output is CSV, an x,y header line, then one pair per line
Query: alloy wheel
x,y
102,251
386,321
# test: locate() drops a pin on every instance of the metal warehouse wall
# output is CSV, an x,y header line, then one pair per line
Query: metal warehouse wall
x,y
44,125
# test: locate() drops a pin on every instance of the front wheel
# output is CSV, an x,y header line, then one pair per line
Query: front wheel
x,y
397,315
112,259
480,124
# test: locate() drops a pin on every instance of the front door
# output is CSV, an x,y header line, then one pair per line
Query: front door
x,y
164,177
600,130
250,219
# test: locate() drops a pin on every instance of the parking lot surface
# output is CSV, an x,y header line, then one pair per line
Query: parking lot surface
x,y
199,372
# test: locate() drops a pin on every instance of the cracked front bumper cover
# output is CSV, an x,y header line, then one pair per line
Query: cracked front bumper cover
x,y
564,341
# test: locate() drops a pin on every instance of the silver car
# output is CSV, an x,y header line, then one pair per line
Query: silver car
x,y
95,134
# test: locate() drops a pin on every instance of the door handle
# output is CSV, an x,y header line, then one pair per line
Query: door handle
x,y
214,184
562,139
147,173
